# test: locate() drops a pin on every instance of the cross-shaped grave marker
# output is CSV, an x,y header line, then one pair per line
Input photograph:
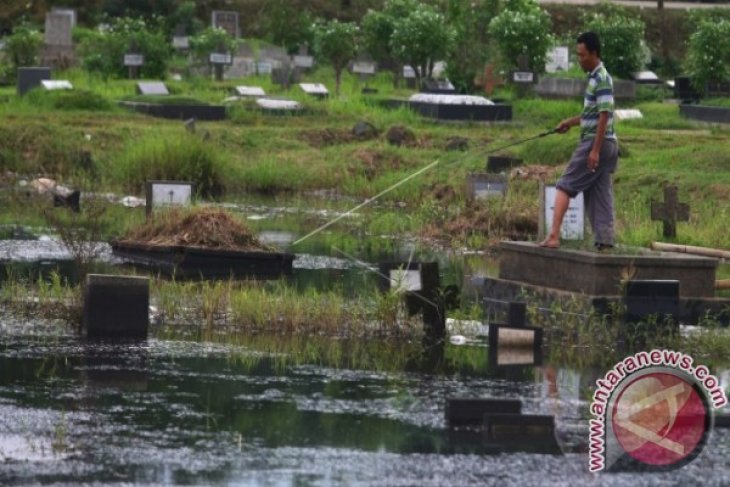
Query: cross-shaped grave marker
x,y
670,212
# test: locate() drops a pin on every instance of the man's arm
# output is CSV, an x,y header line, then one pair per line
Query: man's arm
x,y
595,154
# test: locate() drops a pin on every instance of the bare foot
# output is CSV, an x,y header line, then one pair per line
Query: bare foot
x,y
550,242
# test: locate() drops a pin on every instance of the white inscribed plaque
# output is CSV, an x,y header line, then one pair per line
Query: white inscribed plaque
x,y
405,280
574,220
170,194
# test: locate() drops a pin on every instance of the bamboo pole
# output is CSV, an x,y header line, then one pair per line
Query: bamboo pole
x,y
691,249
722,284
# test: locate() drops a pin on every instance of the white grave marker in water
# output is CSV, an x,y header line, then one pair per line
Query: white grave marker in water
x,y
574,221
404,280
168,194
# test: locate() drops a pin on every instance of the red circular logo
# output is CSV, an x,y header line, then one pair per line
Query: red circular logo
x,y
660,419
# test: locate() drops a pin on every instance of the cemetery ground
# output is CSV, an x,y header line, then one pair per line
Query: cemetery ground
x,y
312,161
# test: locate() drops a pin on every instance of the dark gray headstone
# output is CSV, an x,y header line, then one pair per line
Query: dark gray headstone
x,y
152,88
514,345
465,411
670,211
226,20
29,78
116,306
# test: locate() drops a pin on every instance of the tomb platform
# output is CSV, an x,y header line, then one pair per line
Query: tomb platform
x,y
188,262
594,280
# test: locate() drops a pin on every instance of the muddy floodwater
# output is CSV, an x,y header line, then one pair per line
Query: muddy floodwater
x,y
175,412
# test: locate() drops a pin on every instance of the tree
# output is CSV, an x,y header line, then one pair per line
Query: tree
x,y
287,24
470,49
709,53
337,43
377,30
622,40
420,39
522,28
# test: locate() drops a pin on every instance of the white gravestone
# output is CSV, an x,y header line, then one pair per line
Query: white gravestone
x,y
403,280
133,60
409,72
558,60
181,42
220,58
574,221
363,67
152,88
250,91
317,89
168,194
628,114
523,77
53,85
303,61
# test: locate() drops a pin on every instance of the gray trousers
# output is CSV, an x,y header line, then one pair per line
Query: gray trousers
x,y
596,186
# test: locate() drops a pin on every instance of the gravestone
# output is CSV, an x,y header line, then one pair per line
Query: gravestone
x,y
514,346
420,282
303,62
155,88
481,186
502,164
317,90
116,307
628,114
646,78
409,74
133,60
558,59
169,194
67,11
364,68
54,85
490,80
528,430
437,86
669,212
226,20
29,78
181,42
219,60
684,90
58,43
249,91
59,26
278,105
574,221
471,411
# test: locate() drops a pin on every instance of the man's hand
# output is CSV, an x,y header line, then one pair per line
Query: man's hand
x,y
593,158
564,126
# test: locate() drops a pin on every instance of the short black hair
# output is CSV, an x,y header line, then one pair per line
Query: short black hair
x,y
591,41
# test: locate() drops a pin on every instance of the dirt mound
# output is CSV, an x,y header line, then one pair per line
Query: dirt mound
x,y
326,137
206,227
372,163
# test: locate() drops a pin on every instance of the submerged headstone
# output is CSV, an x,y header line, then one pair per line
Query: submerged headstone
x,y
471,411
481,186
116,306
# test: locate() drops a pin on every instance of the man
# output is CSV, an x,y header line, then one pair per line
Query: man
x,y
596,156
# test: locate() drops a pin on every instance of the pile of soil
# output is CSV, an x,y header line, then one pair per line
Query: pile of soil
x,y
206,227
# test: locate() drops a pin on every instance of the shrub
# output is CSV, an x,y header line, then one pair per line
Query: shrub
x,y
709,53
103,51
183,158
69,100
211,40
522,28
23,46
622,41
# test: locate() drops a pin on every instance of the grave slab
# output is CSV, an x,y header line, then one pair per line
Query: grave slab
x,y
602,274
315,89
54,85
250,91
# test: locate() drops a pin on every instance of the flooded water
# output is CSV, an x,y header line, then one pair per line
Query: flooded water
x,y
175,412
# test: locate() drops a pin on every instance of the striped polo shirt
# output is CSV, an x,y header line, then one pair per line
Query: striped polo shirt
x,y
598,98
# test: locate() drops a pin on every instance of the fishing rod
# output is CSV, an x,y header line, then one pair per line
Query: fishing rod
x,y
411,176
